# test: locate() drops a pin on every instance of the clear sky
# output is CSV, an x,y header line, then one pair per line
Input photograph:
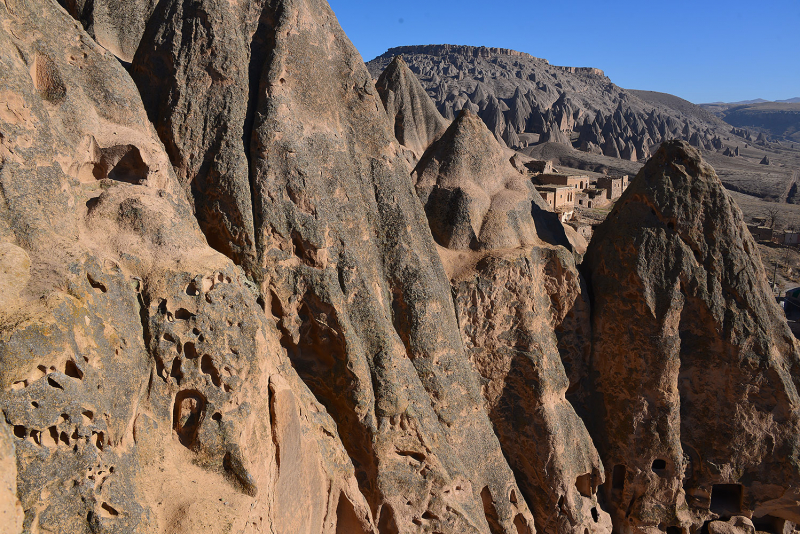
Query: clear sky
x,y
700,50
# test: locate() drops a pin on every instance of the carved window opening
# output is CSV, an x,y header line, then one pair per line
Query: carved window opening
x,y
618,477
726,499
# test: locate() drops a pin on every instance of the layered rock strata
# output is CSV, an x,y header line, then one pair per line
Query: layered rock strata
x,y
694,370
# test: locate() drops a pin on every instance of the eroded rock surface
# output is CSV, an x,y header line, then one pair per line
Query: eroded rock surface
x,y
473,196
525,100
417,122
351,275
197,68
345,268
521,305
144,386
694,367
222,308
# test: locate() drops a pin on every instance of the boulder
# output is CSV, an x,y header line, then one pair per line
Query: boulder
x,y
764,161
684,328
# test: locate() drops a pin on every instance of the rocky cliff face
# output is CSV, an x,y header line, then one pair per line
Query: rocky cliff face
x,y
342,288
224,309
145,388
693,367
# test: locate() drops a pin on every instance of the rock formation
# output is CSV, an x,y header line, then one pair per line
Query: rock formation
x,y
145,388
117,25
417,122
764,161
227,304
684,330
202,360
515,93
511,298
472,195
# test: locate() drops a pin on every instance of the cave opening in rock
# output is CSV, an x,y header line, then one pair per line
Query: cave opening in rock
x,y
618,477
584,485
726,499
659,466
772,524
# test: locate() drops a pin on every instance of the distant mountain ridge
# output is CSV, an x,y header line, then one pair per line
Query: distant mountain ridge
x,y
779,119
756,101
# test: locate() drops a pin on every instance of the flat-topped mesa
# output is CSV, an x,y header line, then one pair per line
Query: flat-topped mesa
x,y
695,391
461,50
417,123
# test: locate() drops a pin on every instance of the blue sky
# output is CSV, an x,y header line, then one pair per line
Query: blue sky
x,y
701,50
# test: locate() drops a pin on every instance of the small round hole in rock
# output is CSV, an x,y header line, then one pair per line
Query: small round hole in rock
x,y
659,465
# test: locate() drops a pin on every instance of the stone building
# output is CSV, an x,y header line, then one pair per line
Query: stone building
x,y
591,198
560,198
578,182
760,233
614,185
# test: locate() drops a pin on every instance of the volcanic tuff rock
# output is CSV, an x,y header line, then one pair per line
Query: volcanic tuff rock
x,y
345,268
222,308
522,308
146,389
474,199
117,25
517,94
694,370
417,122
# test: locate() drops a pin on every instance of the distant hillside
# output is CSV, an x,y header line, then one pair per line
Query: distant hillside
x,y
781,120
524,99
678,104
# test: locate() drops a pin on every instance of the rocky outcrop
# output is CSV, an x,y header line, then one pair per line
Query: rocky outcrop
x,y
472,195
197,66
764,161
145,388
417,122
684,329
524,316
223,307
344,266
116,25
512,297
